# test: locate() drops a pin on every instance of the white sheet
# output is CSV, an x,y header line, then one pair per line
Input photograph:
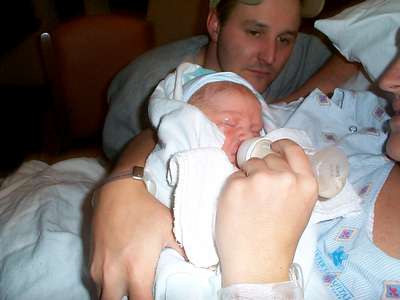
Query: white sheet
x,y
44,217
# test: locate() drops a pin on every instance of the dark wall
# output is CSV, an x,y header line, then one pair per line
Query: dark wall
x,y
17,21
137,6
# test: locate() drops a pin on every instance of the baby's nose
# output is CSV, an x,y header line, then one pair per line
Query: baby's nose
x,y
245,134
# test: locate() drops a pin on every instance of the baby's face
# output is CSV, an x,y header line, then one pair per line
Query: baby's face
x,y
237,113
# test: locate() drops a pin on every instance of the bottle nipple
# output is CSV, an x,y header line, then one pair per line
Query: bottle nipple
x,y
257,147
330,164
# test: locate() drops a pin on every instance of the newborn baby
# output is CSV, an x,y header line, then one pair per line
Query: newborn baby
x,y
198,109
201,118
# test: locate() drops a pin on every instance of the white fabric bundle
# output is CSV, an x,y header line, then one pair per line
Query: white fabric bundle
x,y
367,33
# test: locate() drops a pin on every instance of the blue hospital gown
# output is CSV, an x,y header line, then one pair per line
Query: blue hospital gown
x,y
347,262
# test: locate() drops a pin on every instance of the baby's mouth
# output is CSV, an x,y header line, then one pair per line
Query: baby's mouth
x,y
234,153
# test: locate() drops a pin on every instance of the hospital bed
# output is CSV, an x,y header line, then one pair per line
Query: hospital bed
x,y
45,214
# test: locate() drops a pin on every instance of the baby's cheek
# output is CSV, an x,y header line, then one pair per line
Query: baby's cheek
x,y
228,148
224,147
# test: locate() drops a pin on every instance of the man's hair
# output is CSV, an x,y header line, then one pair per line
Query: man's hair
x,y
224,7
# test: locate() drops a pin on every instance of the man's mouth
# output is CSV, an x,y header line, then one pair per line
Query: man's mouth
x,y
260,73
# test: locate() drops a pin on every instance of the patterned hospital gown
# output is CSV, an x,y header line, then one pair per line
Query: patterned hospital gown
x,y
348,263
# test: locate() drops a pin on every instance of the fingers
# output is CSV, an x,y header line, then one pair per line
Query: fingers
x,y
290,163
255,166
111,283
111,291
288,156
299,166
294,155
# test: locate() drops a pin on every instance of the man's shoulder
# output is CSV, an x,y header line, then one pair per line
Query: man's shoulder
x,y
156,63
175,49
306,39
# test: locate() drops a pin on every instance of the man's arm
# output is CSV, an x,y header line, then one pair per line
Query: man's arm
x,y
333,74
130,228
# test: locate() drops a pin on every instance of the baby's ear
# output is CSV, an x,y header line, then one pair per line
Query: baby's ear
x,y
213,25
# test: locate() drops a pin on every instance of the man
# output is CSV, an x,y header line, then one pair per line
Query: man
x,y
255,40
270,54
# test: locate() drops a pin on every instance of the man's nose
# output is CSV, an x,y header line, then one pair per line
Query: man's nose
x,y
392,87
268,51
391,82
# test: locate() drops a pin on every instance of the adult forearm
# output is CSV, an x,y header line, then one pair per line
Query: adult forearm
x,y
333,74
136,151
130,228
256,249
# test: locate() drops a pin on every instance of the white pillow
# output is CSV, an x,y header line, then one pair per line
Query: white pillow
x,y
367,33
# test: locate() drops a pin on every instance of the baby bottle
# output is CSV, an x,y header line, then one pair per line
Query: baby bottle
x,y
330,164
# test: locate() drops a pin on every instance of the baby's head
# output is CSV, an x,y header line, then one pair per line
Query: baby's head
x,y
234,108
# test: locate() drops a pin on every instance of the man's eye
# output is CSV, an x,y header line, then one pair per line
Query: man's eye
x,y
284,40
254,33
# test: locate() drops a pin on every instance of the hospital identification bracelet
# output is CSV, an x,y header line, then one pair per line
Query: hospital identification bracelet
x,y
136,173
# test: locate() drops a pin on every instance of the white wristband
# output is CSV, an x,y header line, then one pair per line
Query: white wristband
x,y
278,291
289,290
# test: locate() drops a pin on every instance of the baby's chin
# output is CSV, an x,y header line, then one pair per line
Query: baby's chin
x,y
231,153
232,158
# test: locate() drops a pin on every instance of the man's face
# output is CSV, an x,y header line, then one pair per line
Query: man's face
x,y
256,40
390,80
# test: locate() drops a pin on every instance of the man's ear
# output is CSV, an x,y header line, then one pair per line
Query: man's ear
x,y
213,25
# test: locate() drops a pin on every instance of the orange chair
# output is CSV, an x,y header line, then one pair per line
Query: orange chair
x,y
81,57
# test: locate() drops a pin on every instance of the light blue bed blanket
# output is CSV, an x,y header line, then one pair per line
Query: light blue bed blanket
x,y
44,229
